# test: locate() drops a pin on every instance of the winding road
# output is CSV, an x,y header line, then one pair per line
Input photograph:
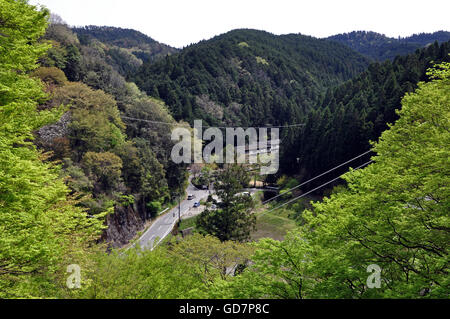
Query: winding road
x,y
164,224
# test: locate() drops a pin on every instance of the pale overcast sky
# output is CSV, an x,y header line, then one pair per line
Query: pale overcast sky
x,y
182,22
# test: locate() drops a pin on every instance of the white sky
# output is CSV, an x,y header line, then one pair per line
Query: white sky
x,y
182,22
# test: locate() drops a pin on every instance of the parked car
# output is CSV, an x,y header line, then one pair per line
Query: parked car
x,y
197,204
190,197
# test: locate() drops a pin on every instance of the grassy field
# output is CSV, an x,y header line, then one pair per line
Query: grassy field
x,y
275,224
278,223
188,223
272,225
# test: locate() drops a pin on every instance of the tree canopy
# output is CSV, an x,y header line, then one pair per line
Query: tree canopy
x,y
41,229
233,219
393,214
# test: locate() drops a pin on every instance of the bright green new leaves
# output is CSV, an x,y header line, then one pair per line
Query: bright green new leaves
x,y
41,231
140,275
211,258
277,270
20,27
96,124
394,214
183,269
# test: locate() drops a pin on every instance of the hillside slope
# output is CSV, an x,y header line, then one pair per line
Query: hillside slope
x,y
110,164
124,45
356,112
249,77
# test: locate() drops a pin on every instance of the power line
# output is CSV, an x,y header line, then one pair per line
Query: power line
x,y
319,187
286,126
207,126
312,179
148,121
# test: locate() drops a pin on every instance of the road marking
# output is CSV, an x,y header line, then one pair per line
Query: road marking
x,y
171,223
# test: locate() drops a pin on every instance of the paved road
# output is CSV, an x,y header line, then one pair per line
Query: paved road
x,y
164,224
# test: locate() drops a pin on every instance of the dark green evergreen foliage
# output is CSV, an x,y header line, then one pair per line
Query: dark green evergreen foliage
x,y
391,217
428,38
100,65
356,112
380,47
249,77
124,38
65,51
233,219
244,77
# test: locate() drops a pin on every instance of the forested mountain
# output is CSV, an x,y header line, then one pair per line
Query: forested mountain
x,y
110,165
134,42
356,112
380,47
249,77
428,38
73,168
393,216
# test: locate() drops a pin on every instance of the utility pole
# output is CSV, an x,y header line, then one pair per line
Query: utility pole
x,y
179,210
179,207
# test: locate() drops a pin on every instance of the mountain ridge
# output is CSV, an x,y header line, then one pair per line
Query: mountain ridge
x,y
290,72
380,47
138,43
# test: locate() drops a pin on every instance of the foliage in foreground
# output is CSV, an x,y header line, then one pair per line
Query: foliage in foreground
x,y
41,229
184,269
394,213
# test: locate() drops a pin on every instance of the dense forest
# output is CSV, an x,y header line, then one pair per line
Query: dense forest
x,y
379,47
249,77
123,41
79,179
356,112
109,165
293,84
